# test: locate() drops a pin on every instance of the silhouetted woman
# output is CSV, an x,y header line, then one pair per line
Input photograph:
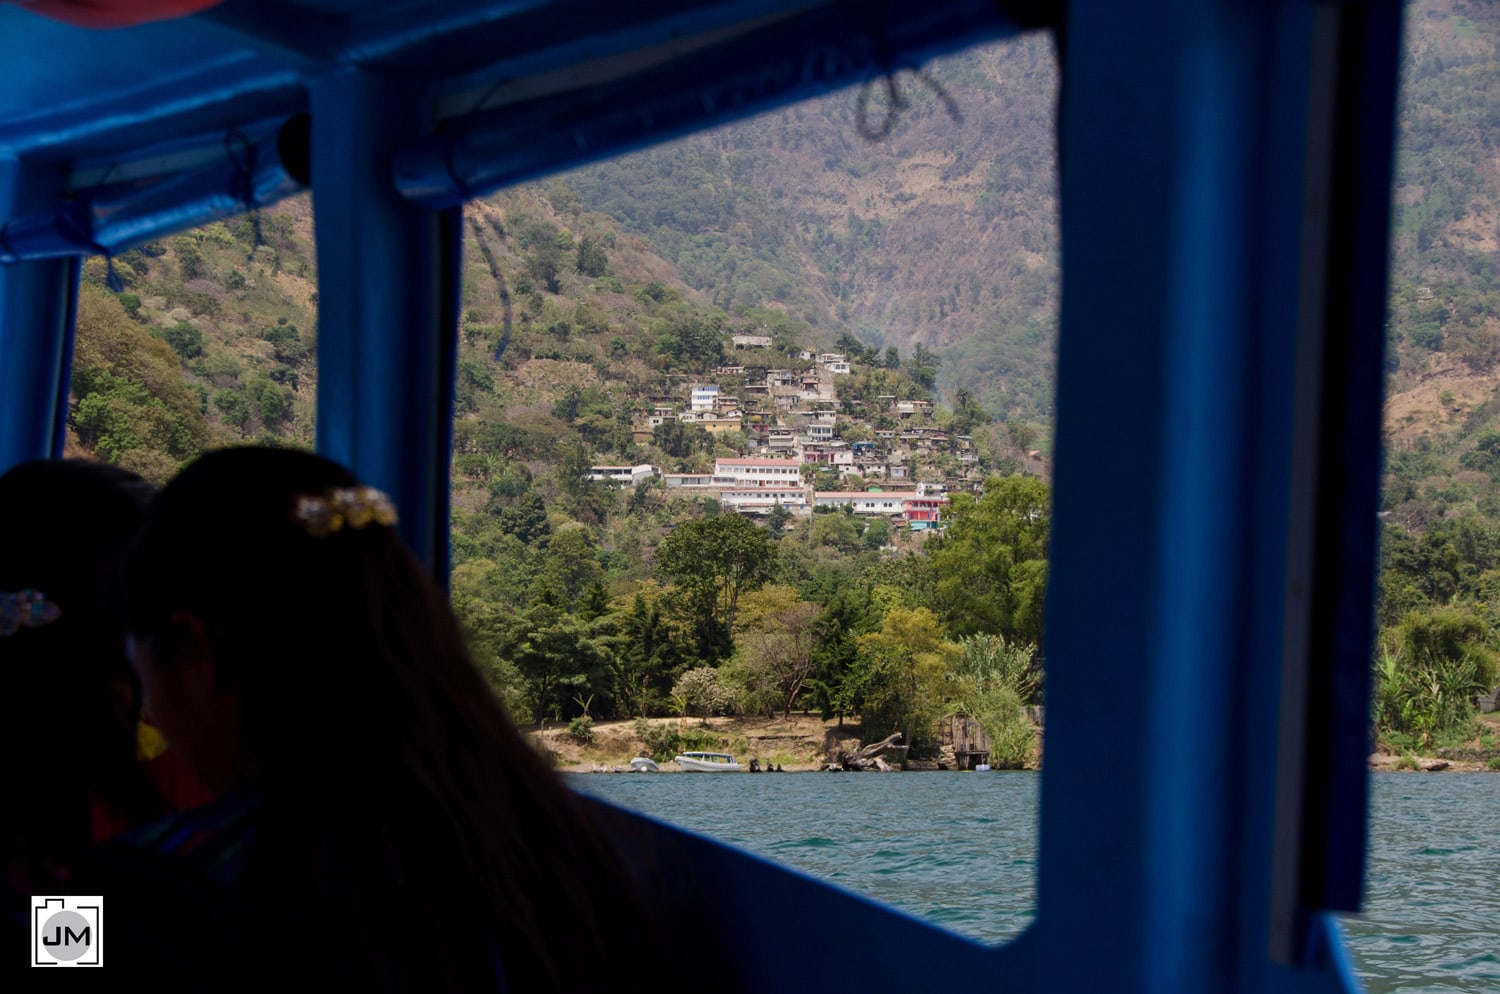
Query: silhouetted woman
x,y
380,811
68,701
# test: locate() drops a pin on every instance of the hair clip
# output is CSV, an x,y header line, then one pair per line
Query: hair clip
x,y
320,515
25,609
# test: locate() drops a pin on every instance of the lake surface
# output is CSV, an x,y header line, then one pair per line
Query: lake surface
x,y
926,843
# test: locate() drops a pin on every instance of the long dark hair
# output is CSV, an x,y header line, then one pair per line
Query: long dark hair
x,y
70,703
409,830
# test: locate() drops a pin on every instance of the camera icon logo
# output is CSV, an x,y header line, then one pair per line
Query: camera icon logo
x,y
67,931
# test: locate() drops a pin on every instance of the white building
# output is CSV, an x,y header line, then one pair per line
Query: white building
x,y
623,475
758,472
703,396
759,500
863,502
834,363
690,481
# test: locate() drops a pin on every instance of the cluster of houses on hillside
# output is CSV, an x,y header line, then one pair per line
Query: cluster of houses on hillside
x,y
797,416
756,486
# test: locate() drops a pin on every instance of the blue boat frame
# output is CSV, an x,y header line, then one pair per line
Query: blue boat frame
x,y
1225,178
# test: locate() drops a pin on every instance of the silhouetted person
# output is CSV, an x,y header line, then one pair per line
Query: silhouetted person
x,y
378,805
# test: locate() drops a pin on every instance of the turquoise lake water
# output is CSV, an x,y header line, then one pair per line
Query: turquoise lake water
x,y
928,843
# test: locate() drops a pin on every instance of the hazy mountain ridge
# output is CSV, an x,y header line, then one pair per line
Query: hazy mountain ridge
x,y
942,232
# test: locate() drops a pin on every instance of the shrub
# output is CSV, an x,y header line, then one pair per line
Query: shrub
x,y
1426,686
186,340
1407,763
1494,764
581,729
663,741
233,406
703,693
1428,335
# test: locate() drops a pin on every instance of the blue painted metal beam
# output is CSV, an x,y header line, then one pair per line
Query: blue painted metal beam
x,y
1202,147
388,308
827,938
37,309
504,135
132,201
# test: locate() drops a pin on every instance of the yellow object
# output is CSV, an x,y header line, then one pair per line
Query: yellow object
x,y
149,742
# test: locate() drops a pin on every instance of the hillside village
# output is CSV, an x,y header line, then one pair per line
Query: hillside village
x,y
812,448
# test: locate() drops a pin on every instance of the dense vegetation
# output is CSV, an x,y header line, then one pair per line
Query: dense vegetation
x,y
1440,582
593,297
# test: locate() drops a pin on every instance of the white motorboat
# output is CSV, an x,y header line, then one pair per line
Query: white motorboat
x,y
707,762
644,764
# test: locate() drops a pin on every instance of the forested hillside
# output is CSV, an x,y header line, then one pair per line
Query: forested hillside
x,y
928,257
583,598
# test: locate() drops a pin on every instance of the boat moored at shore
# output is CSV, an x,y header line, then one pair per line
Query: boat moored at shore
x,y
707,762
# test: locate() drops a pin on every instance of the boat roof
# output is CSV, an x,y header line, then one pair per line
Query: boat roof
x,y
1224,188
163,125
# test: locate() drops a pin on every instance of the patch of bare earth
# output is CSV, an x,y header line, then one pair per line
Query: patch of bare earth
x,y
796,743
1439,400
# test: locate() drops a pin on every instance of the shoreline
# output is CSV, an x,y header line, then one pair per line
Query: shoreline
x,y
799,743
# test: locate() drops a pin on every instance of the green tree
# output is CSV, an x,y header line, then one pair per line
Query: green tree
x,y
775,636
186,340
570,564
991,659
233,406
715,560
286,342
474,382
902,668
591,260
681,440
847,614
653,652
837,530
272,403
703,692
922,367
526,519
486,629
691,341
543,259
560,657
968,413
988,572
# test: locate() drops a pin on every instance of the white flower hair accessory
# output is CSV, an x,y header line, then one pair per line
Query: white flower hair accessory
x,y
25,609
321,515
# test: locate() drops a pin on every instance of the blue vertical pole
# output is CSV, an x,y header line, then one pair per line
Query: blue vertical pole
x,y
37,309
387,307
1204,382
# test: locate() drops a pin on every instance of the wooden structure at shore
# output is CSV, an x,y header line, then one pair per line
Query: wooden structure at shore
x,y
970,742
